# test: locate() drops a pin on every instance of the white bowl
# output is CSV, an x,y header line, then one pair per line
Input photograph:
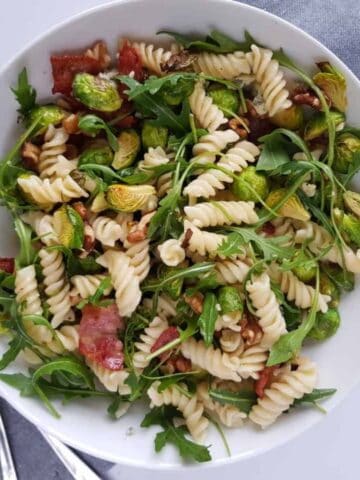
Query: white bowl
x,y
84,423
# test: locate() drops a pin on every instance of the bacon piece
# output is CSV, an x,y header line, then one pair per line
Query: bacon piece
x,y
65,67
98,336
129,61
30,154
175,363
264,380
251,331
186,241
7,264
165,337
128,122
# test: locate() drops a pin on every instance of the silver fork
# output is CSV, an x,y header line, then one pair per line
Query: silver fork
x,y
6,461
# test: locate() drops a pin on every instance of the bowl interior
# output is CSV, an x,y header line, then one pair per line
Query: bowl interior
x,y
84,423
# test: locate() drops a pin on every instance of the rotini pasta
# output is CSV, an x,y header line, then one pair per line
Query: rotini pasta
x,y
207,114
151,57
113,380
43,226
147,340
86,285
106,230
68,335
27,291
212,144
171,252
229,321
52,163
231,271
202,242
231,341
221,213
227,66
252,361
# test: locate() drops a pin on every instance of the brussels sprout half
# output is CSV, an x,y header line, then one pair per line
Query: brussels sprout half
x,y
258,183
333,84
226,100
326,325
46,115
291,118
304,272
317,124
96,93
174,94
129,146
128,198
351,227
345,147
328,287
98,155
69,227
352,202
292,208
152,136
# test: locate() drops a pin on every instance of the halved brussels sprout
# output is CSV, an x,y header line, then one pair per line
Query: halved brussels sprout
x,y
292,208
175,94
69,227
46,115
352,202
345,147
128,198
291,118
333,84
84,180
98,155
351,227
129,146
304,272
227,100
152,136
96,93
317,125
230,300
250,185
326,325
99,204
328,287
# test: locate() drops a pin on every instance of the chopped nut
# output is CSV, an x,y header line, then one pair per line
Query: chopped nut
x,y
89,238
251,331
238,127
71,123
178,61
305,96
136,236
30,154
195,302
81,210
186,241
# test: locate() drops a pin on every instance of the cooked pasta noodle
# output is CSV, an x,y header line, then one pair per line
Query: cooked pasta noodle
x,y
86,285
214,214
152,57
52,163
206,112
113,380
205,243
27,292
107,231
147,340
231,271
171,252
227,66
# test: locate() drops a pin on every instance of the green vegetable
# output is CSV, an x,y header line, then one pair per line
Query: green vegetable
x,y
257,182
216,42
152,136
188,450
15,346
305,270
99,204
242,400
96,93
291,118
230,300
328,287
333,83
292,207
175,94
317,125
128,198
345,147
129,146
351,227
93,125
25,94
69,227
326,325
27,252
208,318
316,395
352,202
46,115
226,100
99,155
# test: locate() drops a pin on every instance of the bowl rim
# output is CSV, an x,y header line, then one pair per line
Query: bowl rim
x,y
19,407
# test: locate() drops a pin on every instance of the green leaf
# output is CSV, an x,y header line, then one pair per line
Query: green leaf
x,y
316,395
15,346
187,449
7,300
230,300
233,244
242,400
114,407
96,298
64,364
153,84
82,266
19,381
273,155
206,282
208,318
27,252
353,169
92,125
289,344
216,42
24,93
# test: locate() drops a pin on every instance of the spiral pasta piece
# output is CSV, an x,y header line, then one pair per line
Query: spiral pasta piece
x,y
239,156
46,193
297,291
68,335
211,359
52,163
138,254
252,361
57,289
212,214
231,341
267,309
191,408
151,57
124,280
147,340
113,380
227,66
229,415
284,227
231,271
86,285
107,231
27,291
154,157
202,242
282,393
229,321
208,146
43,226
269,78
171,252
207,114
48,342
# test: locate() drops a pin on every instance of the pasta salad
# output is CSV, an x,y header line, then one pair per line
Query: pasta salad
x,y
186,223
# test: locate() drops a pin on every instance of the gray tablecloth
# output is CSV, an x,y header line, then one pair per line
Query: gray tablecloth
x,y
336,24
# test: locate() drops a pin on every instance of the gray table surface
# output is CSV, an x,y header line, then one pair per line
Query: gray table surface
x,y
336,24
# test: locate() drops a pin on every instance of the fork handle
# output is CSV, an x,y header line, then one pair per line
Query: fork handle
x,y
7,465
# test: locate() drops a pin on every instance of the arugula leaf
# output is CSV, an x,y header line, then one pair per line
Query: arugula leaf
x,y
81,266
242,400
27,252
153,84
208,281
316,395
64,364
353,169
290,343
7,300
216,42
229,299
273,155
208,318
15,346
292,314
95,298
24,93
92,125
19,381
154,106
